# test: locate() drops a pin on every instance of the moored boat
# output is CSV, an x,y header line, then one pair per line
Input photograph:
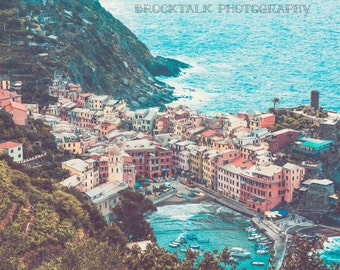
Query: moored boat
x,y
197,247
254,237
258,263
174,244
239,252
191,236
262,251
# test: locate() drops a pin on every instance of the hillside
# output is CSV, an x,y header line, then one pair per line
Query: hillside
x,y
85,42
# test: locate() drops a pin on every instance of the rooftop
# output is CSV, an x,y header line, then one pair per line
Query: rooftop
x,y
76,164
322,182
9,144
105,191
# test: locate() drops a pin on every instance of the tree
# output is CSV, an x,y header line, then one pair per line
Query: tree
x,y
225,257
209,262
275,100
130,212
302,255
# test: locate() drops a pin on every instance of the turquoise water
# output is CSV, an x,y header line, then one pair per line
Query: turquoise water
x,y
242,61
221,225
331,251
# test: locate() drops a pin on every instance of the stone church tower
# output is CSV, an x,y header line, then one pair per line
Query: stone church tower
x,y
115,165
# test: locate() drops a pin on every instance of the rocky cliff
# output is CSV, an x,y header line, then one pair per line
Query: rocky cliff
x,y
83,40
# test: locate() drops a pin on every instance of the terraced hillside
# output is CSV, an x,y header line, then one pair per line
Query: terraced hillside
x,y
38,218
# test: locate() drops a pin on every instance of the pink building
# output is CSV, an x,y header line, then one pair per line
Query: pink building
x,y
293,175
129,171
83,99
281,139
150,160
103,164
262,121
17,110
262,187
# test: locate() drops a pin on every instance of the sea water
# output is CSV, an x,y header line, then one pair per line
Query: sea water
x,y
331,251
241,61
220,225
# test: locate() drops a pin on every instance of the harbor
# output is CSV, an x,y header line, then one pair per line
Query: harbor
x,y
220,222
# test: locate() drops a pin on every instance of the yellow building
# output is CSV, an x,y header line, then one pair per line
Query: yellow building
x,y
87,171
72,145
196,162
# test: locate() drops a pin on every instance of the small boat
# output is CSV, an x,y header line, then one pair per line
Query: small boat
x,y
258,263
250,229
192,194
179,196
174,244
252,232
191,236
239,252
195,246
202,241
262,251
264,243
262,239
254,237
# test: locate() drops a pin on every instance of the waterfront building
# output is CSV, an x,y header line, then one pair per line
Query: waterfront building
x,y
293,176
151,160
317,196
262,187
179,164
229,179
196,163
209,166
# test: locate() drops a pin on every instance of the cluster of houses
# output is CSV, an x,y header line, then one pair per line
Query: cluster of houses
x,y
234,155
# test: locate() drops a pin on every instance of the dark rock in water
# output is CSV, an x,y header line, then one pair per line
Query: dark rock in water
x,y
166,67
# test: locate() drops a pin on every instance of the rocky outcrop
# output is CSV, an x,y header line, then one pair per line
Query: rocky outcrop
x,y
86,42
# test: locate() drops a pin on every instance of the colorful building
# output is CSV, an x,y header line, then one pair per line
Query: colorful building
x,y
13,149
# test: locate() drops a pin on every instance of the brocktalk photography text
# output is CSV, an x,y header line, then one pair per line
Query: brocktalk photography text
x,y
223,8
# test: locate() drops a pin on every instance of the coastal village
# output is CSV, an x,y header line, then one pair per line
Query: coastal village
x,y
234,158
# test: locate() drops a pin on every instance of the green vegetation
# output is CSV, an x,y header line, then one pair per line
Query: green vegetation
x,y
130,213
296,122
